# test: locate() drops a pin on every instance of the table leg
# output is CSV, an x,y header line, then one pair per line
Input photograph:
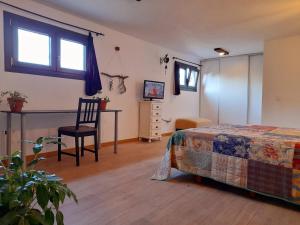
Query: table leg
x,y
8,134
99,131
23,149
116,133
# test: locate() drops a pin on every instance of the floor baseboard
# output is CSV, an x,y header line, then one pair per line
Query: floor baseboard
x,y
105,144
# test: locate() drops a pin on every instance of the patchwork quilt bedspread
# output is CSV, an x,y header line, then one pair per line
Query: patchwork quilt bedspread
x,y
263,159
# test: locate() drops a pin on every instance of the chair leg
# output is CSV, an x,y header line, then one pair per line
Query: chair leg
x,y
77,150
82,146
96,147
59,147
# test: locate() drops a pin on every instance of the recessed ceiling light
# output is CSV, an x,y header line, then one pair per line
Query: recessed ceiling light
x,y
221,51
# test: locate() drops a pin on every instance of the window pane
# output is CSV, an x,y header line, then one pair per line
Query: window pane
x,y
33,47
72,55
193,78
182,76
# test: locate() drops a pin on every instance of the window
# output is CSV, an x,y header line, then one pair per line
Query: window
x,y
188,76
33,47
72,55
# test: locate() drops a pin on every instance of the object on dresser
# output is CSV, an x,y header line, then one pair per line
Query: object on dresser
x,y
153,89
150,125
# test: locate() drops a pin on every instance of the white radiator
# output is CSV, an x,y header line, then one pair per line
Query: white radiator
x,y
2,143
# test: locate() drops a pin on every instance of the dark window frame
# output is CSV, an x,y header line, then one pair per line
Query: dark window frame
x,y
185,66
11,24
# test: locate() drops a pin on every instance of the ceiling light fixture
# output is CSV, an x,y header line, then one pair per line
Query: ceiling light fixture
x,y
221,51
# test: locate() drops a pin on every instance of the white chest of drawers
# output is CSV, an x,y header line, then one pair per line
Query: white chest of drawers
x,y
150,123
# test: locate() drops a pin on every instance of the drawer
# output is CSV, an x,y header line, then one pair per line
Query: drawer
x,y
156,126
156,113
156,106
155,133
155,119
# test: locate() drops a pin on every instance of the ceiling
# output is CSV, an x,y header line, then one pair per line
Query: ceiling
x,y
194,27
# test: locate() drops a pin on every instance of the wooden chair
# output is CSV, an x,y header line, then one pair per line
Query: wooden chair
x,y
88,113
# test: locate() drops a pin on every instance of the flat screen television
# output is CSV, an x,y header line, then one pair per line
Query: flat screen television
x,y
153,89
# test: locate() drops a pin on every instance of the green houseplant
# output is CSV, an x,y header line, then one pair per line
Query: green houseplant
x,y
104,100
29,196
15,100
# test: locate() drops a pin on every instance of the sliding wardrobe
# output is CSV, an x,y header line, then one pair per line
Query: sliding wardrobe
x,y
231,89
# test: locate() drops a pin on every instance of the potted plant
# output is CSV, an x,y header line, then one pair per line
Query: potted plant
x,y
104,102
15,100
29,196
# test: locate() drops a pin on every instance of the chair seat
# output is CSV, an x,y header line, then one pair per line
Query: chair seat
x,y
81,131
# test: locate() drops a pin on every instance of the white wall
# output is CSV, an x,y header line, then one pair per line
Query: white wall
x,y
281,92
231,89
139,60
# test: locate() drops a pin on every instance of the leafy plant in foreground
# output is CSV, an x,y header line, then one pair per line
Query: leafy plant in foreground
x,y
29,196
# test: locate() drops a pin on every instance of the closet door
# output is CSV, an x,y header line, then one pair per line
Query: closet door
x,y
255,89
233,90
209,90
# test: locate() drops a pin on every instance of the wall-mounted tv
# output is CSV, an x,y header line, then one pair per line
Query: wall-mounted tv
x,y
154,89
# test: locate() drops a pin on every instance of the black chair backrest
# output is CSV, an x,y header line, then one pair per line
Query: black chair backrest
x,y
88,112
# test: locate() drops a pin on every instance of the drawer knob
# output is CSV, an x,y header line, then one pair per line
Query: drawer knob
x,y
157,107
156,120
156,126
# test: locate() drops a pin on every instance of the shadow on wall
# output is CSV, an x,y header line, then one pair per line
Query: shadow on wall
x,y
139,90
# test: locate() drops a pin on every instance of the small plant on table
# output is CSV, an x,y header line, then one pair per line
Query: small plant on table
x,y
15,100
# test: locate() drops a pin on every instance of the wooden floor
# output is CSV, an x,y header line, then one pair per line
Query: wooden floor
x,y
117,190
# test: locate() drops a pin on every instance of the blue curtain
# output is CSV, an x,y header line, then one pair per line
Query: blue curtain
x,y
92,77
176,79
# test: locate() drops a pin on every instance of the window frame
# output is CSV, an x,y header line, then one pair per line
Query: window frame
x,y
13,22
185,66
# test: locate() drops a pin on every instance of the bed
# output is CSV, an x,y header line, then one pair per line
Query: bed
x,y
261,159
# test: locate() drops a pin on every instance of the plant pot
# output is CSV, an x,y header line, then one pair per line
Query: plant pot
x,y
103,105
15,105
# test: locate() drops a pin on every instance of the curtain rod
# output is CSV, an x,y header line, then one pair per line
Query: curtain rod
x,y
48,18
187,61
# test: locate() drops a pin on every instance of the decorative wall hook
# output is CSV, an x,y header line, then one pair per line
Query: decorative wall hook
x,y
165,60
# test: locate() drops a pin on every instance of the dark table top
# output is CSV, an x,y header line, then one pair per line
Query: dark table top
x,y
54,111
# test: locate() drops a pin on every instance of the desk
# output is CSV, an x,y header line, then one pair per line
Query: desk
x,y
24,113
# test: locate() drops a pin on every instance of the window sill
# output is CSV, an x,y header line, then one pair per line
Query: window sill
x,y
48,73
